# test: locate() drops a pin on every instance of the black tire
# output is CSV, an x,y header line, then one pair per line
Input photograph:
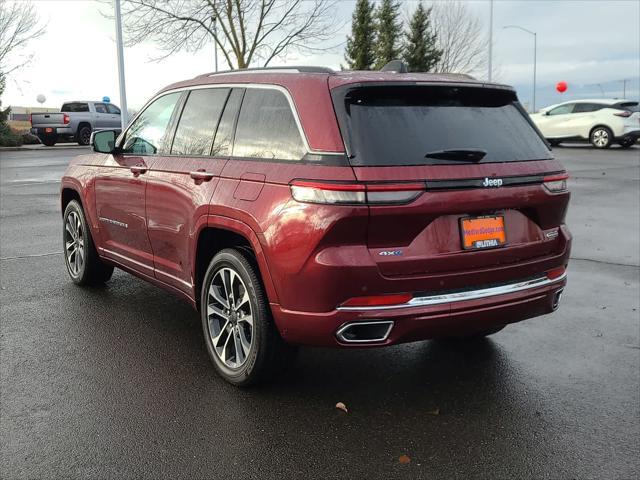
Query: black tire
x,y
87,269
601,137
627,142
268,353
48,141
554,143
84,135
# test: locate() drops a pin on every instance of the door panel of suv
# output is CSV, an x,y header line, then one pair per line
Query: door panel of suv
x,y
557,122
182,183
121,184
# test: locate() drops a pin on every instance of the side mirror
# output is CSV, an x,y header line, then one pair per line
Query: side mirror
x,y
104,141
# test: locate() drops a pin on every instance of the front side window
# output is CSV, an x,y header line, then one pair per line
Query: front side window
x,y
267,128
147,134
562,109
113,109
198,122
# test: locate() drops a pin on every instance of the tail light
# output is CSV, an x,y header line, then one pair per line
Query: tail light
x,y
355,193
556,183
65,118
625,114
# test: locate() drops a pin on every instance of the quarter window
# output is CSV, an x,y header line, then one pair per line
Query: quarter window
x,y
267,128
198,122
147,134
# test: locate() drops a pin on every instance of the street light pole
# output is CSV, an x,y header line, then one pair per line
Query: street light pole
x,y
215,40
490,39
535,54
124,113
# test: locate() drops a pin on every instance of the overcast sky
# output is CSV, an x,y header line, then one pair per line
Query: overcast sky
x,y
581,42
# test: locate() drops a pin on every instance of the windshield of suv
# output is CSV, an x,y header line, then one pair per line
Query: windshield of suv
x,y
436,125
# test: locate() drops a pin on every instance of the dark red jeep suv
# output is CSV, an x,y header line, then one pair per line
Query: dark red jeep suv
x,y
303,206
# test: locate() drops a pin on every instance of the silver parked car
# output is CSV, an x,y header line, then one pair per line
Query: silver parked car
x,y
75,122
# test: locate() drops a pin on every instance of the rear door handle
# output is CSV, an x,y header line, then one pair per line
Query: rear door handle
x,y
138,169
201,175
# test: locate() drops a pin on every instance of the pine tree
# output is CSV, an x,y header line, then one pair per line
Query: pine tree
x,y
420,51
389,33
359,53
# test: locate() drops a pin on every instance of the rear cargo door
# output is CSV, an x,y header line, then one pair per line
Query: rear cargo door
x,y
481,163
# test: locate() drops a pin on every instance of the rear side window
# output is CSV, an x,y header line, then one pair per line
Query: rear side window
x,y
198,122
267,128
587,107
224,135
100,107
427,125
147,134
75,107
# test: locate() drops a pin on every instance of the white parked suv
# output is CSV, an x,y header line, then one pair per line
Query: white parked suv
x,y
601,122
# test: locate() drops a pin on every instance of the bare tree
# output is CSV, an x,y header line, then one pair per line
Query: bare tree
x,y
246,31
461,38
19,25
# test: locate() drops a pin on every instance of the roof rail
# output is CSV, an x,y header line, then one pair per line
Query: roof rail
x,y
461,75
293,69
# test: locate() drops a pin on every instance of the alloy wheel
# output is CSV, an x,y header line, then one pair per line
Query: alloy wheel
x,y
601,138
74,243
230,318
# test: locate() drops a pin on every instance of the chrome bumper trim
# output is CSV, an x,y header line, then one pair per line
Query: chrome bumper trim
x,y
463,296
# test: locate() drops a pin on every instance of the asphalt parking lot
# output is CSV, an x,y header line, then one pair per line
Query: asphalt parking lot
x,y
115,381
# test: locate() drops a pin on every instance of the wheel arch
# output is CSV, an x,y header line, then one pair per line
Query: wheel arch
x,y
66,195
600,125
222,232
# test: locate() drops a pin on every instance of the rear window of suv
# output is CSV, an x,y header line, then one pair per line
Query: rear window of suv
x,y
409,125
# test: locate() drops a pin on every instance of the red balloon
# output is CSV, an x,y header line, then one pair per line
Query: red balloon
x,y
561,87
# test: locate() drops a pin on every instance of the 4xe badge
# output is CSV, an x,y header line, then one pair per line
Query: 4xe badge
x,y
492,182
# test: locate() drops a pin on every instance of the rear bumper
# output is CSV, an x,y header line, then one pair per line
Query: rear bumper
x,y
429,317
38,131
631,134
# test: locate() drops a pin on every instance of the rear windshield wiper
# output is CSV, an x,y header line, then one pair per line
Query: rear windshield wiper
x,y
458,155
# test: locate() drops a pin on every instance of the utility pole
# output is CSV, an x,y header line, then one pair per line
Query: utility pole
x,y
124,113
535,53
490,39
214,19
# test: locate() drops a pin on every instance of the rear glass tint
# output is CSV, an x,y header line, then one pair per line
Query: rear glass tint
x,y
630,106
399,125
75,107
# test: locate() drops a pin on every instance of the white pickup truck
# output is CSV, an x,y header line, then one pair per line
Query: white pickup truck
x,y
75,122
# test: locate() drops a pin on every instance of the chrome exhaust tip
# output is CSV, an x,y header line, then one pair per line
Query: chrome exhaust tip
x,y
556,299
365,332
